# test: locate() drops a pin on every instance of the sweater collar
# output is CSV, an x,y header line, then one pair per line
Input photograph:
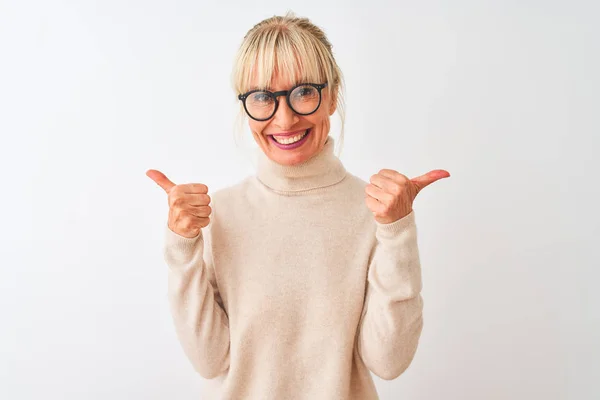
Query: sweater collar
x,y
322,170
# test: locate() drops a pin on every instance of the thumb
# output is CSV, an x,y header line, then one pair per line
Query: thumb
x,y
427,179
160,179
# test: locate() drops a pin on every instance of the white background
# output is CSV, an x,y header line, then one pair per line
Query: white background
x,y
504,95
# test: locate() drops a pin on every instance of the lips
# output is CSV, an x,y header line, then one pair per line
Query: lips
x,y
291,146
288,133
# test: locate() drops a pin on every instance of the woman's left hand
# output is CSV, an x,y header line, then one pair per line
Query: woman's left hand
x,y
390,194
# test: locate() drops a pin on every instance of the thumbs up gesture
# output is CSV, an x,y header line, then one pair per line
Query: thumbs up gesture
x,y
390,195
189,209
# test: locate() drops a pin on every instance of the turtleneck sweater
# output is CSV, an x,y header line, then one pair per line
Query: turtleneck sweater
x,y
294,291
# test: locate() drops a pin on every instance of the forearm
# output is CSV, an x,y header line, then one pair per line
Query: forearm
x,y
201,324
392,320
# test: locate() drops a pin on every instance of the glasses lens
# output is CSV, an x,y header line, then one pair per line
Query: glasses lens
x,y
305,99
260,105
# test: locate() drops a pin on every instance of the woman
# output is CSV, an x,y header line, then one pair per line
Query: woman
x,y
307,277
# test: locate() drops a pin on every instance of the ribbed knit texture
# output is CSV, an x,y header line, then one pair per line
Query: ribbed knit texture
x,y
294,291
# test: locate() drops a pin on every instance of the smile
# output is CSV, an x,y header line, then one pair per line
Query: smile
x,y
291,141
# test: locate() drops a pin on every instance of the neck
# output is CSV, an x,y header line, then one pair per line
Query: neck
x,y
322,170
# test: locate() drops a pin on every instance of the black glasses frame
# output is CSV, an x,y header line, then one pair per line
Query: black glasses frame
x,y
285,93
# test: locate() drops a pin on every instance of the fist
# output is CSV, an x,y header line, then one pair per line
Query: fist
x,y
189,209
390,195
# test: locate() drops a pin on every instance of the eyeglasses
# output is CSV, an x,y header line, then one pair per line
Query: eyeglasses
x,y
303,99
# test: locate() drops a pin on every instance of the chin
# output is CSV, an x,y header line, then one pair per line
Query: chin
x,y
303,154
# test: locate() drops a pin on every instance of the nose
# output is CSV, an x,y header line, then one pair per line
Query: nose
x,y
285,118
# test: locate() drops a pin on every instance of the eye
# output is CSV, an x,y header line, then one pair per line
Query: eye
x,y
305,93
260,98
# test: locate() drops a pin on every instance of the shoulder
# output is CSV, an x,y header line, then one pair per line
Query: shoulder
x,y
231,204
233,197
232,192
355,182
354,187
351,197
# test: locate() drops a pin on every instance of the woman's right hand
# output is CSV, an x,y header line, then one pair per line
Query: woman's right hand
x,y
189,209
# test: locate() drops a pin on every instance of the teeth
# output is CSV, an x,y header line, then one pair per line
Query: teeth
x,y
290,139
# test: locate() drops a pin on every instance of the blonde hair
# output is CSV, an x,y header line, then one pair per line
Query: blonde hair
x,y
294,47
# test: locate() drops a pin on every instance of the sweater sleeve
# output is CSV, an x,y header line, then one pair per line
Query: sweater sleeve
x,y
201,323
392,318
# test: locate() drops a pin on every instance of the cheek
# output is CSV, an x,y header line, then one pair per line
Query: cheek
x,y
321,121
256,126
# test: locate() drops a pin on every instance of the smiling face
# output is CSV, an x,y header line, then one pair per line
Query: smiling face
x,y
289,138
276,55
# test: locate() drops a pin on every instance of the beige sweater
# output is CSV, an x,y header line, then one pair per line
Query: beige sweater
x,y
294,291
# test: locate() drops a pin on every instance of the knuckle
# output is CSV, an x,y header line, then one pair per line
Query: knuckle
x,y
178,201
183,222
176,190
196,188
187,222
